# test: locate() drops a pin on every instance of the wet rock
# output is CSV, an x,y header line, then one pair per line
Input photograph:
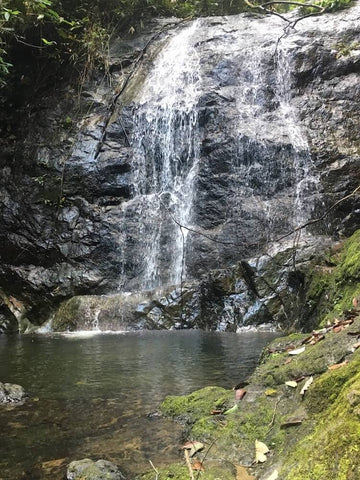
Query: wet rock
x,y
87,469
12,393
81,236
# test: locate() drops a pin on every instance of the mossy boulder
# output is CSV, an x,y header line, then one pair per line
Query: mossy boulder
x,y
332,285
332,450
87,469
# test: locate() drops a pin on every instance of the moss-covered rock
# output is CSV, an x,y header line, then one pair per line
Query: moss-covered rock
x,y
332,286
333,449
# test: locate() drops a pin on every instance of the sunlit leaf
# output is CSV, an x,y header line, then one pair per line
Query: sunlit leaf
x,y
297,351
47,42
291,384
273,476
307,384
260,452
270,392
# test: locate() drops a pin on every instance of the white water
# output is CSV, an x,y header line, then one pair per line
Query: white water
x,y
271,170
166,150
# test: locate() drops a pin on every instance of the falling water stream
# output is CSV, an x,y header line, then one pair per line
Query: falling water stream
x,y
272,175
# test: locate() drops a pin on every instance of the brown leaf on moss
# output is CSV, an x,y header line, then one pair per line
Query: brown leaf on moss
x,y
193,447
197,465
242,473
338,365
240,394
216,412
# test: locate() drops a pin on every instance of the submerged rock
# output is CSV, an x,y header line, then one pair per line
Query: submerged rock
x,y
87,469
12,393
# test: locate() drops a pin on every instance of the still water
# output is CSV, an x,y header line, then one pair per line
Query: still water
x,y
91,396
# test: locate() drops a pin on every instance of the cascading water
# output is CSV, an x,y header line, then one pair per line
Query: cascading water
x,y
217,147
166,154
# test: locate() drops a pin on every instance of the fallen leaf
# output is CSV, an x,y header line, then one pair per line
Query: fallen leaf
x,y
242,473
291,384
287,361
356,346
270,392
51,464
290,347
338,329
273,476
231,410
240,394
306,385
338,365
307,339
354,334
197,465
216,412
317,339
193,447
299,379
260,451
291,423
297,351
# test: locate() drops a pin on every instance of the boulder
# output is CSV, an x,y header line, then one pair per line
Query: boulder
x,y
11,393
87,469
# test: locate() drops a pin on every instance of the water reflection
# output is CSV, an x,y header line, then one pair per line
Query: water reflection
x,y
91,396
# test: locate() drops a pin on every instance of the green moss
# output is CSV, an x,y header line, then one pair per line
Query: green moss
x,y
332,450
65,316
181,472
316,359
331,289
198,404
325,390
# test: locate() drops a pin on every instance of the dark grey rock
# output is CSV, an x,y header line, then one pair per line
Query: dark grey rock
x,y
67,209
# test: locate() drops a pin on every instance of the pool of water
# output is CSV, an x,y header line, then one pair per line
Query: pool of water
x,y
91,396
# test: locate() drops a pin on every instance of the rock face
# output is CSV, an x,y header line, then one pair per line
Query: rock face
x,y
272,141
87,469
11,393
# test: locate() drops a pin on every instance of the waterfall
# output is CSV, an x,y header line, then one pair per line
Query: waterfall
x,y
216,146
166,143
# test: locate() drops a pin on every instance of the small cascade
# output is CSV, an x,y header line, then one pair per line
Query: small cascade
x,y
166,152
306,178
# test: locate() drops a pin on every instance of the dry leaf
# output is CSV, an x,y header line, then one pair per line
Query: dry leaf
x,y
306,385
193,447
291,384
356,346
338,365
273,476
291,423
297,351
287,361
239,394
216,412
260,451
197,465
242,473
